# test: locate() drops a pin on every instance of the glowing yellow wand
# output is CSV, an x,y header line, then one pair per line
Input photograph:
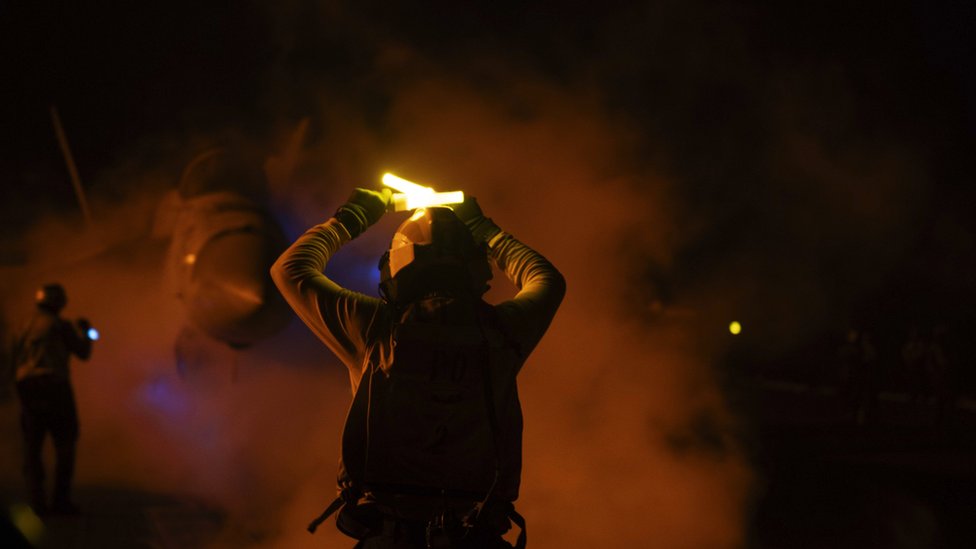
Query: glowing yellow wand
x,y
412,195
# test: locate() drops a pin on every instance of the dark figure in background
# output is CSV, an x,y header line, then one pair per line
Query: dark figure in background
x,y
40,353
431,449
859,358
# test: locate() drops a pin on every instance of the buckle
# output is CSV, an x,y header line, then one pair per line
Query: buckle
x,y
444,530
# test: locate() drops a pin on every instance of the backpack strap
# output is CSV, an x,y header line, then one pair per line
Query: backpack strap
x,y
349,494
519,521
336,504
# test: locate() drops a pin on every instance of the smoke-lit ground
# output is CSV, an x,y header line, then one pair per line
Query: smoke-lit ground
x,y
678,172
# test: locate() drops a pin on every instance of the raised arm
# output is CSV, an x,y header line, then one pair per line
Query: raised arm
x,y
76,338
541,287
339,317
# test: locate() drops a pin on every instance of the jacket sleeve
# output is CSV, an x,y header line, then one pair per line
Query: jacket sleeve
x,y
341,318
76,342
540,291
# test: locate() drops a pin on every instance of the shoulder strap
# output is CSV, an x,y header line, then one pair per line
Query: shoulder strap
x,y
489,397
519,521
332,508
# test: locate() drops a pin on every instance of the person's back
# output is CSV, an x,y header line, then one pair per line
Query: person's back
x,y
432,408
47,343
431,449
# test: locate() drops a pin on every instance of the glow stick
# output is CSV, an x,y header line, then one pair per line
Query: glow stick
x,y
404,186
413,196
403,202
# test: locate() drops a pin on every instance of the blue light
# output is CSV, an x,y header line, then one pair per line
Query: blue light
x,y
163,395
93,334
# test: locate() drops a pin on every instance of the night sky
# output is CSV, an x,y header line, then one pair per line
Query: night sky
x,y
803,166
749,106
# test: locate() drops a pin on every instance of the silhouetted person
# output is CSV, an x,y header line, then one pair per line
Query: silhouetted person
x,y
40,353
431,449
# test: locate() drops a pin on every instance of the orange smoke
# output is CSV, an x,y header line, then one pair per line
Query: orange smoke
x,y
628,435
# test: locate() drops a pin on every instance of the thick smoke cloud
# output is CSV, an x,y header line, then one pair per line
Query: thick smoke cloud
x,y
677,178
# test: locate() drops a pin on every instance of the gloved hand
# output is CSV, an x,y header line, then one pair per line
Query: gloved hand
x,y
363,208
482,228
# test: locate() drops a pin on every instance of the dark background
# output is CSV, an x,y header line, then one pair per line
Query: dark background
x,y
717,90
821,151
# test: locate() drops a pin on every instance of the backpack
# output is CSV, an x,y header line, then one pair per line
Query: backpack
x,y
425,421
422,433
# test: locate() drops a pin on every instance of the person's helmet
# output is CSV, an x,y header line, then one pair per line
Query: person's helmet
x,y
51,297
433,251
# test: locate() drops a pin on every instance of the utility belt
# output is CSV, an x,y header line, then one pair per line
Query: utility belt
x,y
442,520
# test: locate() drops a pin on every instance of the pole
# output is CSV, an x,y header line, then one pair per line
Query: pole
x,y
72,169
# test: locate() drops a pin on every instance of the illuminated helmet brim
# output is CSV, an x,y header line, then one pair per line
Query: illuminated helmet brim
x,y
433,250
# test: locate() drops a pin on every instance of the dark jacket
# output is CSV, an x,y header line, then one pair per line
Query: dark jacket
x,y
44,346
359,328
